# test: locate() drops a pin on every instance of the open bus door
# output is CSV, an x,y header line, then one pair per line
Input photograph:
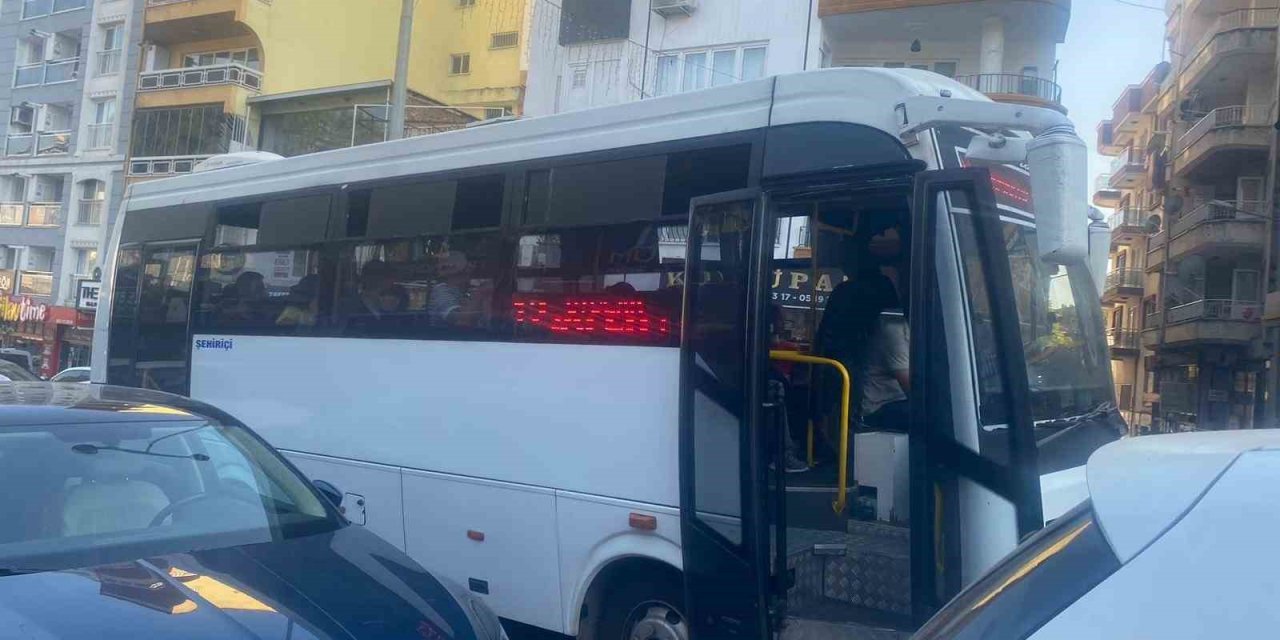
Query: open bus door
x,y
975,481
724,531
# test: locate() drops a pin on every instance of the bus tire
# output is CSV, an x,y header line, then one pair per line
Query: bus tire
x,y
643,607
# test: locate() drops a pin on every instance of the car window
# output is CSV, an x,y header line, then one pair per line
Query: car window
x,y
15,373
178,486
72,375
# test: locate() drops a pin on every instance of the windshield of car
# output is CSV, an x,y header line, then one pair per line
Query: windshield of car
x,y
87,494
72,375
10,372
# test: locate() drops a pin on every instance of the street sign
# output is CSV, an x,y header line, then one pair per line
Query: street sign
x,y
87,295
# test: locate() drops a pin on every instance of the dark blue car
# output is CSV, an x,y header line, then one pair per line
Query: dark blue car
x,y
136,514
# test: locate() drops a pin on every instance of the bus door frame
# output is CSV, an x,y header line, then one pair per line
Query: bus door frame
x,y
938,462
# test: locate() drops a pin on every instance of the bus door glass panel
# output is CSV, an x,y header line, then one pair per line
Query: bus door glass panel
x,y
164,305
122,346
973,448
720,503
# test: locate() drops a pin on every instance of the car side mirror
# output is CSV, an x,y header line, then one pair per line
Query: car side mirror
x,y
330,492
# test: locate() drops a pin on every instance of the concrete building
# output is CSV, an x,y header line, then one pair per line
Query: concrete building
x,y
588,53
65,66
1191,146
297,76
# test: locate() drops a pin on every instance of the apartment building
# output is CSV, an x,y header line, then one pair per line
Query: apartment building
x,y
589,53
64,70
1188,183
297,76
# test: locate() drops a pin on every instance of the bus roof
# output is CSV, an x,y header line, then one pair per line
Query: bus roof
x,y
861,95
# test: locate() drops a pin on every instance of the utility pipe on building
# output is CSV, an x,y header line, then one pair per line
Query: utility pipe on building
x,y
400,85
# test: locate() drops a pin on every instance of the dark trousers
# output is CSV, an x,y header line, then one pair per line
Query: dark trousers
x,y
890,417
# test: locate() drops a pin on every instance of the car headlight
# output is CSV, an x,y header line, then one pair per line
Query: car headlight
x,y
488,626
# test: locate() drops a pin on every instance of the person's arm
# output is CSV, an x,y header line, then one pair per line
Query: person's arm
x,y
898,353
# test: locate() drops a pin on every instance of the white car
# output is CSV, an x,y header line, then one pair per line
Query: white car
x,y
1177,540
72,374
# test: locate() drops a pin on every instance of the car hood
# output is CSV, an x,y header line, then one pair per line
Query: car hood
x,y
345,584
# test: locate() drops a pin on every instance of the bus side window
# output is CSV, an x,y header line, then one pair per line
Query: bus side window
x,y
273,292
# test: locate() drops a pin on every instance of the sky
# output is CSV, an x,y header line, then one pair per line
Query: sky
x,y
1109,45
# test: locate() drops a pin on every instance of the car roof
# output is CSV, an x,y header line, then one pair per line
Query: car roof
x,y
25,404
1140,487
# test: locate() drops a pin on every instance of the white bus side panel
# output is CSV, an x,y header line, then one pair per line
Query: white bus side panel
x,y
517,558
380,487
593,419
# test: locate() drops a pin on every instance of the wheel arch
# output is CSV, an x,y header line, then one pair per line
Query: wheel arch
x,y
620,556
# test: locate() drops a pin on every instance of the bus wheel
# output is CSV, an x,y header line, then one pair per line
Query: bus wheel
x,y
649,608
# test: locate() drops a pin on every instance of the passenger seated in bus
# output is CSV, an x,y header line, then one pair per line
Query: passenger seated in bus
x,y
302,305
452,301
379,295
243,303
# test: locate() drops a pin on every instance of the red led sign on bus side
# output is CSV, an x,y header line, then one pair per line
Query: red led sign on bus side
x,y
587,316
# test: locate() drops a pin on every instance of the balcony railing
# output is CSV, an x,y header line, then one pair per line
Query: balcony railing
x,y
90,212
109,62
45,143
1178,397
215,74
1102,182
1243,210
1123,338
1014,84
44,214
47,72
1216,310
1238,19
160,166
1127,160
100,136
37,8
1129,278
1235,116
13,214
1127,217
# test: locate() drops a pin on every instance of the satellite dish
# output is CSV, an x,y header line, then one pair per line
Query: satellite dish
x,y
1152,225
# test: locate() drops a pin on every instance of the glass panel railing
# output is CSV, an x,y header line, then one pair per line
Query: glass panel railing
x,y
44,215
100,136
19,144
90,212
109,62
68,5
54,143
36,8
12,214
29,75
61,70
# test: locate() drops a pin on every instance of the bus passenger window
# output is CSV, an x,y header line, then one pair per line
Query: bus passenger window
x,y
422,288
259,292
609,284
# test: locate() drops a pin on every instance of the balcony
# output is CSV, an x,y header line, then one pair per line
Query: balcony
x,y
1107,144
1229,136
45,143
1123,342
13,214
101,136
1127,169
1219,228
38,8
1018,89
1126,115
1122,283
1105,195
1157,250
228,84
47,72
1227,322
1126,221
163,166
109,62
44,214
175,21
1236,43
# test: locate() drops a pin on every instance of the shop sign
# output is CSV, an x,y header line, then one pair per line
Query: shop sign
x,y
87,295
22,310
6,280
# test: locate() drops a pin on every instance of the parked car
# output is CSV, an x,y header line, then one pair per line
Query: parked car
x,y
20,357
138,514
10,372
72,374
1177,540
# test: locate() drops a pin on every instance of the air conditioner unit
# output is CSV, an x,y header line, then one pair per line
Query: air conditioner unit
x,y
673,8
22,115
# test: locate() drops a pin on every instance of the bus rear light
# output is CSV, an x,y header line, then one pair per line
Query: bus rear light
x,y
643,522
478,536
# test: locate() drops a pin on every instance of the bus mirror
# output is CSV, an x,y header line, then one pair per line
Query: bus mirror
x,y
1057,160
998,149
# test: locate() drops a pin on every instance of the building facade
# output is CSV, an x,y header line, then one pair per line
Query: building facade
x,y
1189,186
294,77
589,53
65,67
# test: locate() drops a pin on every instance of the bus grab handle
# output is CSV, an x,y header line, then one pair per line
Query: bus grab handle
x,y
794,356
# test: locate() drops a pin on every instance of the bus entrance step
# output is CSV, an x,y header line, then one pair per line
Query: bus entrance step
x,y
869,568
825,618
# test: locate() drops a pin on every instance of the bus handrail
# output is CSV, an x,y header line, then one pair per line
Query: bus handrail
x,y
843,463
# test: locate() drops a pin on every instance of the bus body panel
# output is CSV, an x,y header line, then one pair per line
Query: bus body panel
x,y
478,409
379,486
